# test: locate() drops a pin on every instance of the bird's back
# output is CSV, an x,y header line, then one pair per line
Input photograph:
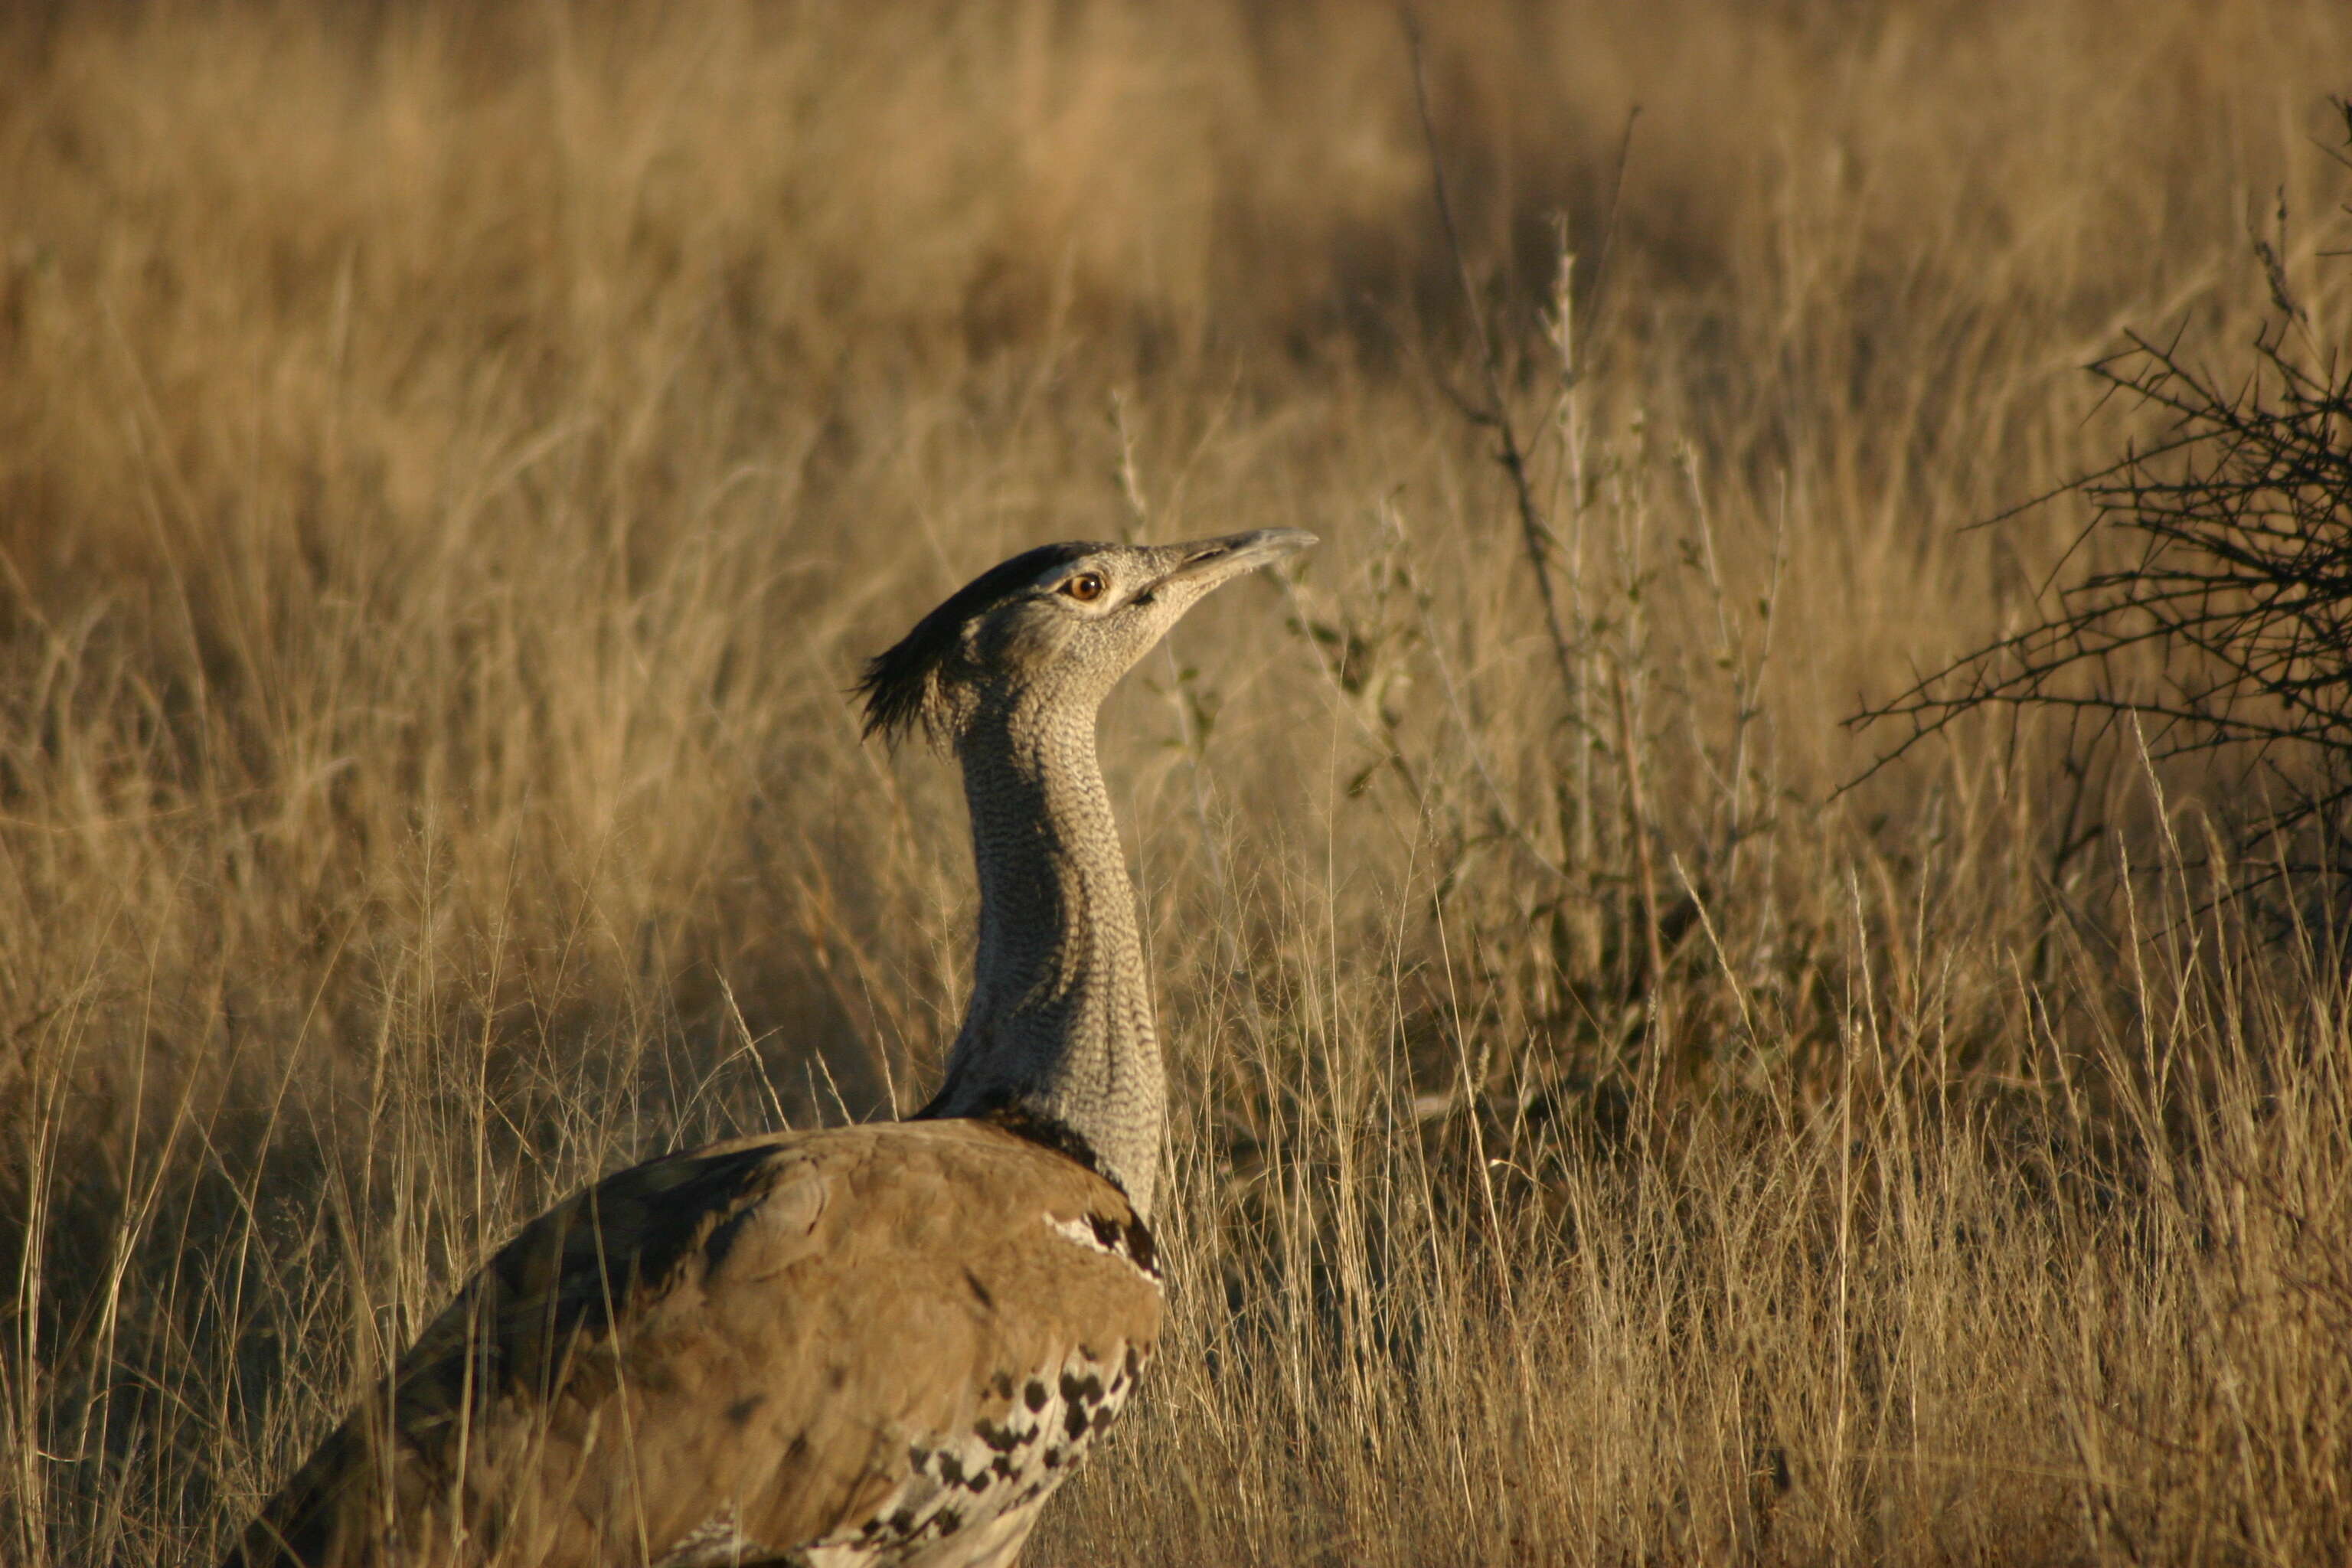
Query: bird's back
x,y
880,1344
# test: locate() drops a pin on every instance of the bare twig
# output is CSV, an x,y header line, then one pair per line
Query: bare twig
x,y
1637,808
1608,230
1492,411
2229,626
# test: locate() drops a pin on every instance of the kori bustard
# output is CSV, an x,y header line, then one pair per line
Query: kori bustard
x,y
878,1344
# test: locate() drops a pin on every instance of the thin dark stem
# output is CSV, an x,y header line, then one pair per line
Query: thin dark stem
x,y
1494,411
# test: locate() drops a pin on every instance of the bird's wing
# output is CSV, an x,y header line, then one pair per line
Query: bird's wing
x,y
839,1344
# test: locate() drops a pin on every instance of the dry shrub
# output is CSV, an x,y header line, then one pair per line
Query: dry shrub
x,y
2211,623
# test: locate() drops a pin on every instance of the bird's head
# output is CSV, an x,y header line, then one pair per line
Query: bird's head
x,y
1051,629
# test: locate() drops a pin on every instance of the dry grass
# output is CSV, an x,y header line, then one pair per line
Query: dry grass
x,y
451,461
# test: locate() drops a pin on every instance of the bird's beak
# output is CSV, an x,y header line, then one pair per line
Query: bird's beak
x,y
1206,563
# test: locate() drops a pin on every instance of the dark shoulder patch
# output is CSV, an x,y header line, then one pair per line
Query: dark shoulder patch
x,y
1047,1132
898,683
1130,1238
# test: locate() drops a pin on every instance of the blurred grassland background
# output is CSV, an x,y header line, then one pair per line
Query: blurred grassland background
x,y
453,459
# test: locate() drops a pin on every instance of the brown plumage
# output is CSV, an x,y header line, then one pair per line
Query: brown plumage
x,y
829,1346
869,1345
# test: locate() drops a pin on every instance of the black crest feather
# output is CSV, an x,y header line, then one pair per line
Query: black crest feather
x,y
898,683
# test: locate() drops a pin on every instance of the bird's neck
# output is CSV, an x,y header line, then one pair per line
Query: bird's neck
x,y
1060,1025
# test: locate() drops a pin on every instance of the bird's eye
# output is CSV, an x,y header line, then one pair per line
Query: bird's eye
x,y
1085,587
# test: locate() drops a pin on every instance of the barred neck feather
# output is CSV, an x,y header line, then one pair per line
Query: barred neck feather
x,y
1060,1025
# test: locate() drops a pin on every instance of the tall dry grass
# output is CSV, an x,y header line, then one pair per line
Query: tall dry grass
x,y
452,458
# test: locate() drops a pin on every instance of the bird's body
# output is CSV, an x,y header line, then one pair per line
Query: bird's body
x,y
876,1345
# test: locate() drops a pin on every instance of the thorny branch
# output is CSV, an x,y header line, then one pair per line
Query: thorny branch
x,y
2228,630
